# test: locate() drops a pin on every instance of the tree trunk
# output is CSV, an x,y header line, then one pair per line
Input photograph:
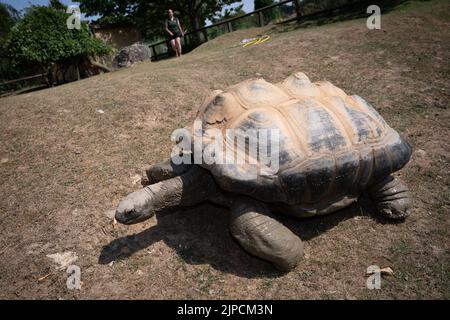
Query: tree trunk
x,y
297,9
100,66
78,72
49,75
195,24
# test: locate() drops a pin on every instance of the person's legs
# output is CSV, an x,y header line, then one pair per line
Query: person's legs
x,y
179,46
174,46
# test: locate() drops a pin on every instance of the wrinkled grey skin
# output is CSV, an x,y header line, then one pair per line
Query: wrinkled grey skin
x,y
251,221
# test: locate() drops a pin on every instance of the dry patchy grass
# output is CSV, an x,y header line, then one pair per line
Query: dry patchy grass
x,y
65,167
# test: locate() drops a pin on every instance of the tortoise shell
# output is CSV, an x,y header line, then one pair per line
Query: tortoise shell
x,y
331,146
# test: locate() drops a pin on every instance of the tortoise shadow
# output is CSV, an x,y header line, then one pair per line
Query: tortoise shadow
x,y
200,235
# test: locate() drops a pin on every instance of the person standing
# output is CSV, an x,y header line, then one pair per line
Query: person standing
x,y
174,32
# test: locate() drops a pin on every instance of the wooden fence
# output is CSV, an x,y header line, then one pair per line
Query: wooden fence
x,y
161,49
299,14
228,24
27,83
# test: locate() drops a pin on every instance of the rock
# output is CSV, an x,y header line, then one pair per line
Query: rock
x,y
4,160
387,271
421,159
437,251
127,56
110,213
64,259
136,179
421,153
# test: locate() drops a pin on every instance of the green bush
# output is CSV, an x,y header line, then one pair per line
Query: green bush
x,y
42,38
8,17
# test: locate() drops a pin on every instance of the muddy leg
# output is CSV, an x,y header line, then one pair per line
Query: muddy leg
x,y
392,198
188,189
262,236
166,170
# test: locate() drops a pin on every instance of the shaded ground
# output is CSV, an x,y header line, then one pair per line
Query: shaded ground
x,y
64,167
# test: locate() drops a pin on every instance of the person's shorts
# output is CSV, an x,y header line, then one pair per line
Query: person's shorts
x,y
175,35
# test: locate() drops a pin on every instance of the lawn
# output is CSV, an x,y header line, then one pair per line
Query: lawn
x,y
70,153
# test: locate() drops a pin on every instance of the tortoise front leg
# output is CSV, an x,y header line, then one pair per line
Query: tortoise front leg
x,y
263,236
166,170
188,189
392,198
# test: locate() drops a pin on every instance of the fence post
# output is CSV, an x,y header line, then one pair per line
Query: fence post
x,y
169,48
297,9
205,34
152,48
230,27
261,19
185,40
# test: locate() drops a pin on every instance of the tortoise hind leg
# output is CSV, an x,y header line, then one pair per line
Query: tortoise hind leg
x,y
264,237
392,198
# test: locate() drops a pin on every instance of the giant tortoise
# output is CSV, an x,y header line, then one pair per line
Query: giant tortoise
x,y
331,148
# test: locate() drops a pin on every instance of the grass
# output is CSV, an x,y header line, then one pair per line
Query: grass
x,y
401,247
64,165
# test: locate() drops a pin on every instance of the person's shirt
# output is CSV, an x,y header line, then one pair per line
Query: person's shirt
x,y
172,25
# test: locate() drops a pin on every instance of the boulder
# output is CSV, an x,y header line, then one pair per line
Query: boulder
x,y
127,56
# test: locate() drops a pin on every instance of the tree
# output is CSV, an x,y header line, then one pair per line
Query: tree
x,y
149,15
227,14
270,14
198,10
310,6
41,38
57,5
8,18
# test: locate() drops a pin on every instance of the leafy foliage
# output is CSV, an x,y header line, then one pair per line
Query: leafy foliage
x,y
316,5
149,15
57,5
8,18
270,14
42,38
228,14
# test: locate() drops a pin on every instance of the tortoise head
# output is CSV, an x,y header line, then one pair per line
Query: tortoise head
x,y
136,207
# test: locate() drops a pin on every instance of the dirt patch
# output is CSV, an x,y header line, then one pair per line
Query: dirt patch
x,y
65,167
